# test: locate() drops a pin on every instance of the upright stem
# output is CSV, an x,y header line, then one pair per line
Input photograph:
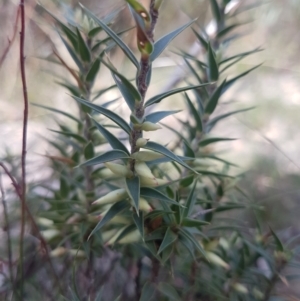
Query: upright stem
x,y
142,85
24,140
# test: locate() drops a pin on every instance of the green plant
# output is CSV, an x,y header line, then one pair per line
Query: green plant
x,y
160,215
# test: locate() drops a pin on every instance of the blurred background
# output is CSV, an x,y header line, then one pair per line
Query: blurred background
x,y
268,137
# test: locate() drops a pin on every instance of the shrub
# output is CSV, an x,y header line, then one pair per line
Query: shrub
x,y
126,217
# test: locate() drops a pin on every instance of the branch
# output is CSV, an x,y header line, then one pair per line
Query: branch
x,y
10,41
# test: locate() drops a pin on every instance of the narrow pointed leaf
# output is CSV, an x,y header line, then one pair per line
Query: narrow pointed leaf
x,y
158,116
186,234
147,291
213,101
190,201
201,39
189,222
279,244
99,295
244,54
215,120
83,48
155,194
208,141
213,68
162,43
216,10
91,75
169,291
58,111
72,53
139,222
128,91
169,238
159,97
108,113
195,113
71,135
112,140
164,151
230,82
112,212
106,157
114,36
133,189
226,30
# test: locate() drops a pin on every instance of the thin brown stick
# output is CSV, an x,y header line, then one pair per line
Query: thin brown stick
x,y
10,41
24,142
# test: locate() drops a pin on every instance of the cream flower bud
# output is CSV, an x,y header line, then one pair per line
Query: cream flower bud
x,y
45,222
141,142
50,234
119,169
112,197
58,252
144,205
152,182
146,156
143,170
131,237
216,260
240,288
148,126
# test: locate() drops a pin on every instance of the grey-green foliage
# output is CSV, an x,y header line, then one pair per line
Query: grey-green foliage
x,y
150,200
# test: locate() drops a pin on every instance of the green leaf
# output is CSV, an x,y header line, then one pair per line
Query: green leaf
x,y
114,36
169,291
108,113
106,157
155,194
190,201
162,43
195,113
161,96
211,173
73,53
201,39
214,99
64,188
68,32
112,140
279,245
72,135
226,30
230,82
189,222
213,68
240,55
58,111
91,75
211,123
216,10
169,238
164,151
187,181
112,212
192,239
208,141
133,189
89,151
128,91
83,48
147,291
158,116
139,222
